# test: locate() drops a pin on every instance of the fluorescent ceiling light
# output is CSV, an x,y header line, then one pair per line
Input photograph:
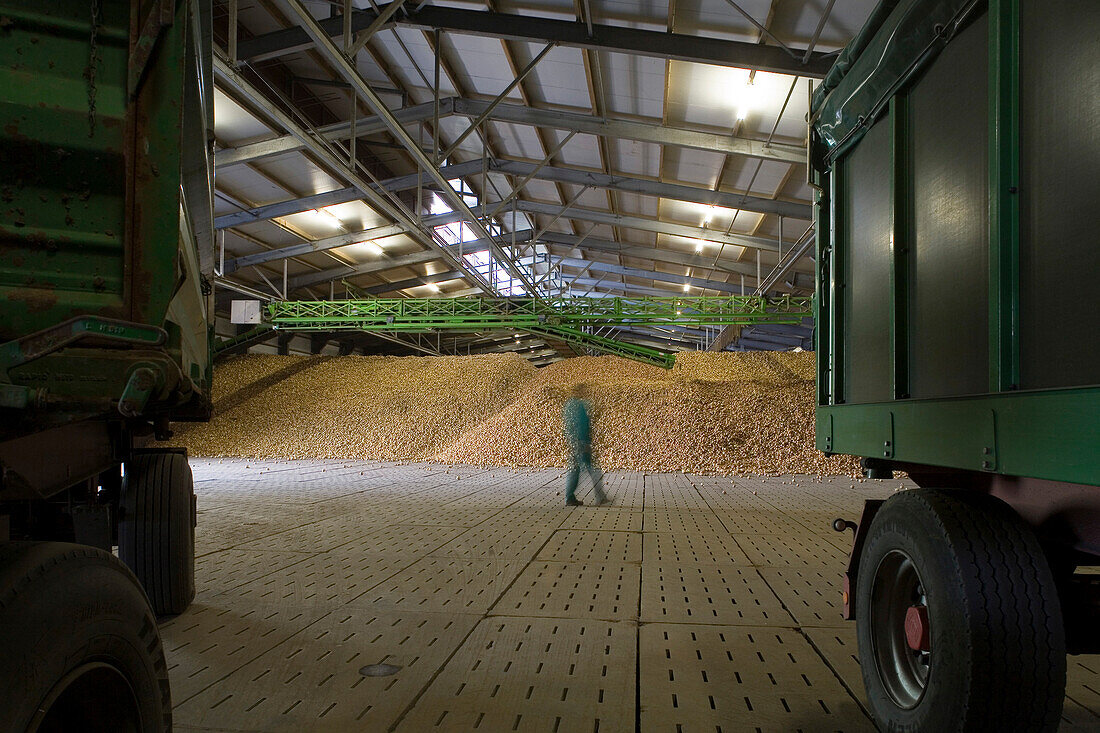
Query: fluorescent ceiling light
x,y
327,217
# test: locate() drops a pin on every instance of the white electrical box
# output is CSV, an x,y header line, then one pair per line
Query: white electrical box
x,y
246,311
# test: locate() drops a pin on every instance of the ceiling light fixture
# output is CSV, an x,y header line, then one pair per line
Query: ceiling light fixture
x,y
745,100
327,217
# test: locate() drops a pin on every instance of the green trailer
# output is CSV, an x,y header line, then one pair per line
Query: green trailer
x,y
105,236
954,148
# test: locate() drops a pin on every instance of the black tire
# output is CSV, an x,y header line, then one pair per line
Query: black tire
x,y
79,647
996,648
156,529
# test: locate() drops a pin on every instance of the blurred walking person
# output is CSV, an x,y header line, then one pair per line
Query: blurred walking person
x,y
578,436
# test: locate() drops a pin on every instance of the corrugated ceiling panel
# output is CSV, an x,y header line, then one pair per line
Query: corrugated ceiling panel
x,y
247,185
635,84
797,22
593,198
716,19
647,14
797,188
519,141
692,166
557,9
299,173
234,125
582,151
480,64
559,79
421,53
635,158
741,171
710,96
695,214
632,203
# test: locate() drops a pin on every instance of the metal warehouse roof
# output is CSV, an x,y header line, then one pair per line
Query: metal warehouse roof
x,y
658,148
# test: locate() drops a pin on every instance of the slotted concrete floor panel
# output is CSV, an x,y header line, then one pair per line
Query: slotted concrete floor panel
x,y
840,649
445,584
809,594
708,678
325,579
535,674
663,548
791,551
313,681
319,536
573,590
569,545
469,573
232,568
709,594
218,635
495,542
683,522
603,518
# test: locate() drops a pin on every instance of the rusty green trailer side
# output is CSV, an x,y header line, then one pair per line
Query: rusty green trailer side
x,y
104,212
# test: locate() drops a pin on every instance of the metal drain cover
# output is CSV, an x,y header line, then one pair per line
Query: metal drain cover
x,y
379,670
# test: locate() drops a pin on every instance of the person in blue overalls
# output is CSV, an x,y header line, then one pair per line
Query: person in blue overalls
x,y
578,436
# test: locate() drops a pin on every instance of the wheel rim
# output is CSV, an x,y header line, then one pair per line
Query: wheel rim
x,y
93,697
901,631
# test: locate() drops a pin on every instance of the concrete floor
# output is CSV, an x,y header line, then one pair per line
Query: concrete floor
x,y
691,604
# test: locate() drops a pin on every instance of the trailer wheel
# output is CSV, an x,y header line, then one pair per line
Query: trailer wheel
x,y
79,648
959,623
156,529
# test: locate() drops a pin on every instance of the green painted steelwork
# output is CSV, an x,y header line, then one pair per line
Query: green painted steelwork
x,y
553,318
604,345
1049,434
1004,181
251,334
475,314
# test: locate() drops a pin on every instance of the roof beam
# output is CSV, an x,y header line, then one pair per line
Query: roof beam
x,y
413,282
641,131
560,174
523,236
643,252
677,191
369,126
647,224
339,196
625,288
536,117
696,282
620,39
416,258
339,240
